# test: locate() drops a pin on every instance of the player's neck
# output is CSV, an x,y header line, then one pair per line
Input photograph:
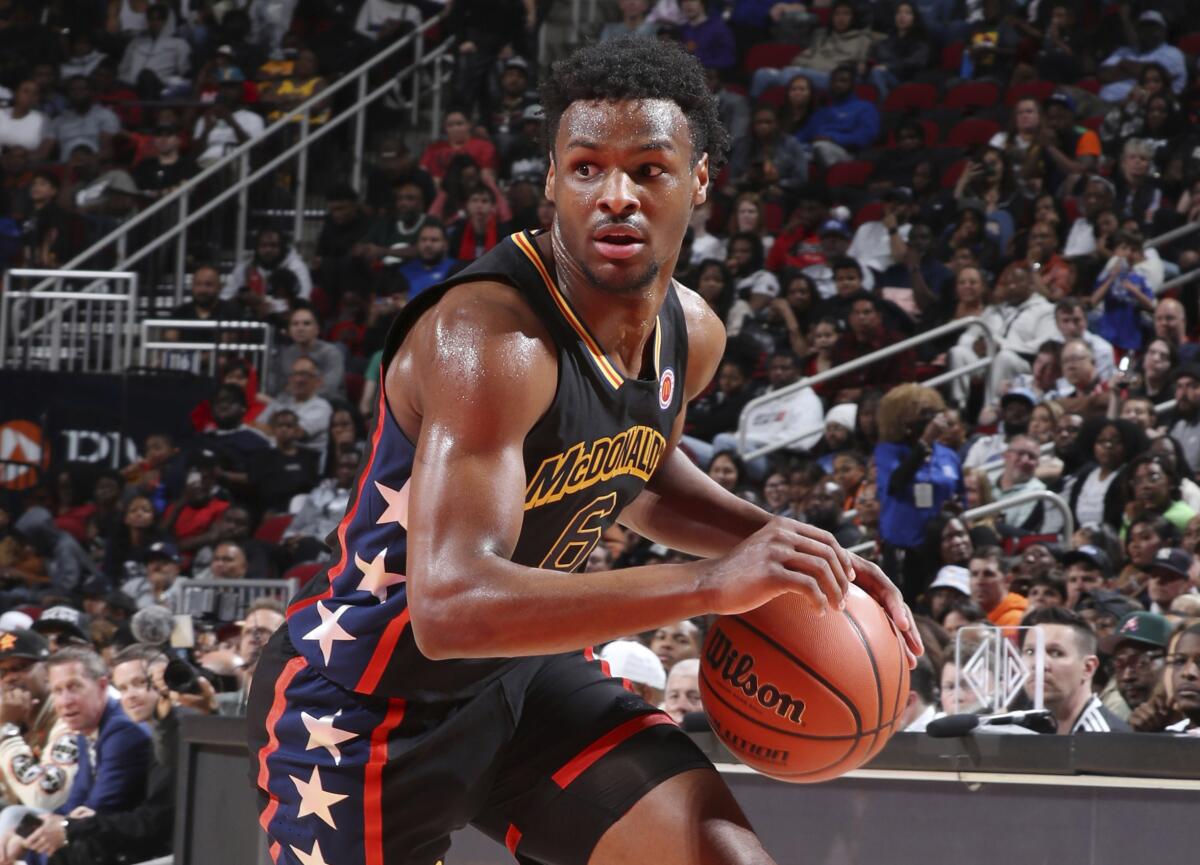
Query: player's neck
x,y
623,324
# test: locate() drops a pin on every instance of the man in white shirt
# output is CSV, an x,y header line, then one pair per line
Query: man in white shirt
x,y
921,707
1020,322
225,125
1120,69
1071,318
156,62
880,243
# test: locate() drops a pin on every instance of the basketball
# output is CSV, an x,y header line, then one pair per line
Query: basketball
x,y
801,697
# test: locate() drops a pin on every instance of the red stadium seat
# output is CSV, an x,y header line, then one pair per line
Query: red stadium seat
x,y
770,55
869,213
773,217
973,94
272,528
952,173
853,173
774,96
1091,85
304,572
1189,44
952,56
1092,123
971,131
910,97
1039,90
867,92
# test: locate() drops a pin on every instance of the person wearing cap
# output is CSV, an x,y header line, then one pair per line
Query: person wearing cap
x,y
1069,665
1073,149
835,238
1137,647
157,62
951,585
1103,610
225,124
1016,409
1088,569
1170,577
38,753
64,626
159,585
508,111
640,668
1119,71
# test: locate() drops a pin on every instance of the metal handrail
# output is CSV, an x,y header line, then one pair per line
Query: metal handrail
x,y
1181,280
859,363
1001,506
1172,235
303,112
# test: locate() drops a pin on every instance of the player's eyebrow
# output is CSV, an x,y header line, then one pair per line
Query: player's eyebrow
x,y
654,144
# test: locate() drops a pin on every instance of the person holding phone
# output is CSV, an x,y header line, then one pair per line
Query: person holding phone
x,y
916,476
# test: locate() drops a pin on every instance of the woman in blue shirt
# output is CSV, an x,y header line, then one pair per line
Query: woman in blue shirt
x,y
916,475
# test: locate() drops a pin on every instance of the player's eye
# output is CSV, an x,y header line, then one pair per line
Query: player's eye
x,y
586,169
652,170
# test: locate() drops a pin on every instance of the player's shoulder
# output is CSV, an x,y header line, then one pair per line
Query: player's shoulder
x,y
494,313
705,334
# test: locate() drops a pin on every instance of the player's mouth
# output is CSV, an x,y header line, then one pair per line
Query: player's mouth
x,y
618,241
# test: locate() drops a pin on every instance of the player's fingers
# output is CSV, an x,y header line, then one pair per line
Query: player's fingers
x,y
824,537
815,547
822,574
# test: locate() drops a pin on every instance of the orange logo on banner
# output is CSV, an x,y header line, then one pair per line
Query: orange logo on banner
x,y
23,454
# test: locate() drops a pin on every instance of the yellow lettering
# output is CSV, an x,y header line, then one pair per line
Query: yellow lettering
x,y
635,451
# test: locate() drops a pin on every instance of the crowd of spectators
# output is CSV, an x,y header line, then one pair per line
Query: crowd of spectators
x,y
897,166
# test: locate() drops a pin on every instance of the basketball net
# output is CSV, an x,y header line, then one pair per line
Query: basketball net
x,y
994,669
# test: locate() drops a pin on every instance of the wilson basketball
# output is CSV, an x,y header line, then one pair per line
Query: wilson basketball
x,y
803,697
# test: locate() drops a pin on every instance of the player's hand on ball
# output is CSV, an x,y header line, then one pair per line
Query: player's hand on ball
x,y
782,556
869,577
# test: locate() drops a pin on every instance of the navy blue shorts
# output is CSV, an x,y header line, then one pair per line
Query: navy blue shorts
x,y
544,760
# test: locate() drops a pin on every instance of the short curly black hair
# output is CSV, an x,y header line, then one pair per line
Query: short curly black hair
x,y
638,68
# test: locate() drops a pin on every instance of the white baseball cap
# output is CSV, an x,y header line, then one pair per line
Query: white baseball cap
x,y
633,661
953,577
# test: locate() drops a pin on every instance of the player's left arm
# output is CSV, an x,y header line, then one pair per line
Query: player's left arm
x,y
686,510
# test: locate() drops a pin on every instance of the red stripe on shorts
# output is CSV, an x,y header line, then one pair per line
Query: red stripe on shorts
x,y
278,705
382,654
337,569
512,838
373,783
593,752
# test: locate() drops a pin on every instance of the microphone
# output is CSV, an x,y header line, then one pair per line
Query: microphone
x,y
953,726
153,625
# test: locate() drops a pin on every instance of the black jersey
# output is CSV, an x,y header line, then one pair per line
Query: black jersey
x,y
588,457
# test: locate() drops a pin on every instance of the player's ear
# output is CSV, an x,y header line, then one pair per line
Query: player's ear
x,y
700,179
549,190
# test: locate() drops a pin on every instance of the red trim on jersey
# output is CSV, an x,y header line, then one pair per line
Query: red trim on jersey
x,y
382,654
337,569
373,783
274,851
589,654
278,705
512,838
627,685
593,752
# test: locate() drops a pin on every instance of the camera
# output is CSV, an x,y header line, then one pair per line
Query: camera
x,y
182,677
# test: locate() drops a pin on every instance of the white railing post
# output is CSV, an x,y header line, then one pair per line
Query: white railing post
x,y
243,207
301,181
415,106
360,134
181,248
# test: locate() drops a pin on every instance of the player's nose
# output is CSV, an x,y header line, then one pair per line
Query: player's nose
x,y
618,195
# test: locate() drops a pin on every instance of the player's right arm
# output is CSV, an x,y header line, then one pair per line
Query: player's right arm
x,y
475,375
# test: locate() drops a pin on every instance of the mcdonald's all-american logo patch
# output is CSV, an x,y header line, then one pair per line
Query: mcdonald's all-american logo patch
x,y
666,388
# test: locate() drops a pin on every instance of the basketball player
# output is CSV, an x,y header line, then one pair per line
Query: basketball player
x,y
433,677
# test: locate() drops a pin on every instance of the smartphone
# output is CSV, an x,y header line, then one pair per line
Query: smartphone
x,y
1123,366
29,824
